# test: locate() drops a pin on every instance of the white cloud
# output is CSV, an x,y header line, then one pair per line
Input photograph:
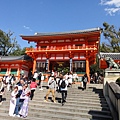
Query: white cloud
x,y
28,28
113,6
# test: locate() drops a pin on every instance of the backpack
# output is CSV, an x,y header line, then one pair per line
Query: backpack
x,y
85,79
63,84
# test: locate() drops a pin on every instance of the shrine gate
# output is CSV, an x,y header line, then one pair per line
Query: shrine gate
x,y
75,49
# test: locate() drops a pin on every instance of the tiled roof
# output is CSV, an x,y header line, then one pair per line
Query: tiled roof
x,y
115,56
68,32
12,58
63,33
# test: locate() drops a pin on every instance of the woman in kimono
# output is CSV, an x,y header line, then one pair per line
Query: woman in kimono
x,y
13,101
24,109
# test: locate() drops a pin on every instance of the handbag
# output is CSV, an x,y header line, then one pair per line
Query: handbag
x,y
47,87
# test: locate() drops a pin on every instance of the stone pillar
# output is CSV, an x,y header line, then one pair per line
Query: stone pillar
x,y
70,64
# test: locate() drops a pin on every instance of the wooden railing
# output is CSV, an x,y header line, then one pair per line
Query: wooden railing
x,y
65,48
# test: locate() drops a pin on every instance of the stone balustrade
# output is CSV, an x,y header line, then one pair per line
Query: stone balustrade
x,y
114,96
111,91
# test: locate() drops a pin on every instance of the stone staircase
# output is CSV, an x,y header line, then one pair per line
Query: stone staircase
x,y
89,104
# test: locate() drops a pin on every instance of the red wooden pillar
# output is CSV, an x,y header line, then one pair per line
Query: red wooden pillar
x,y
88,69
19,70
34,56
34,66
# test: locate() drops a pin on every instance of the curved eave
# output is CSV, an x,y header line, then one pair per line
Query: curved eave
x,y
65,35
12,61
14,58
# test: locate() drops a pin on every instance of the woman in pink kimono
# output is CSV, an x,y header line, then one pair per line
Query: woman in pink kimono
x,y
24,109
13,101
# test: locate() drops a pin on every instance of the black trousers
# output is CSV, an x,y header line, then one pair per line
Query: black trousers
x,y
0,98
39,83
32,94
64,95
84,84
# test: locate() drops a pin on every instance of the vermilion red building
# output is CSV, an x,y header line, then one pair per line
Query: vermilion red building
x,y
15,65
75,49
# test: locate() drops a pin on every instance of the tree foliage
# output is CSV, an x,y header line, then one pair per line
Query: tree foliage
x,y
18,51
7,43
112,35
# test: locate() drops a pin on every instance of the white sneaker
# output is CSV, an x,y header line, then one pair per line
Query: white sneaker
x,y
45,101
18,115
13,115
40,89
1,103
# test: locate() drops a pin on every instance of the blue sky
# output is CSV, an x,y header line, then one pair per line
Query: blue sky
x,y
29,16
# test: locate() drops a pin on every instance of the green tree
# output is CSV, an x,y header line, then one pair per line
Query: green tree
x,y
7,43
112,35
18,51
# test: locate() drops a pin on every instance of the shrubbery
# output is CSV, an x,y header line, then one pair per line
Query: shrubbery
x,y
118,81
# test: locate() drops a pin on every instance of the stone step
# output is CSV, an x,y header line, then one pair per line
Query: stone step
x,y
69,92
78,90
72,99
94,97
5,116
57,114
73,91
50,113
90,96
76,103
87,105
74,95
69,101
76,98
58,107
66,107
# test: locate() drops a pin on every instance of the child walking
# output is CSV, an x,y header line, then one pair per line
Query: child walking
x,y
33,86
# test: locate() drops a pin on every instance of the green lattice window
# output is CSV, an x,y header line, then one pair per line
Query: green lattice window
x,y
3,71
13,71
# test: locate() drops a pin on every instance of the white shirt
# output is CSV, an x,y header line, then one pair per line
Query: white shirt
x,y
7,79
75,76
35,75
66,76
42,77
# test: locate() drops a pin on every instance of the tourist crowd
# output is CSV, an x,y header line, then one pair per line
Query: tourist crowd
x,y
22,90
